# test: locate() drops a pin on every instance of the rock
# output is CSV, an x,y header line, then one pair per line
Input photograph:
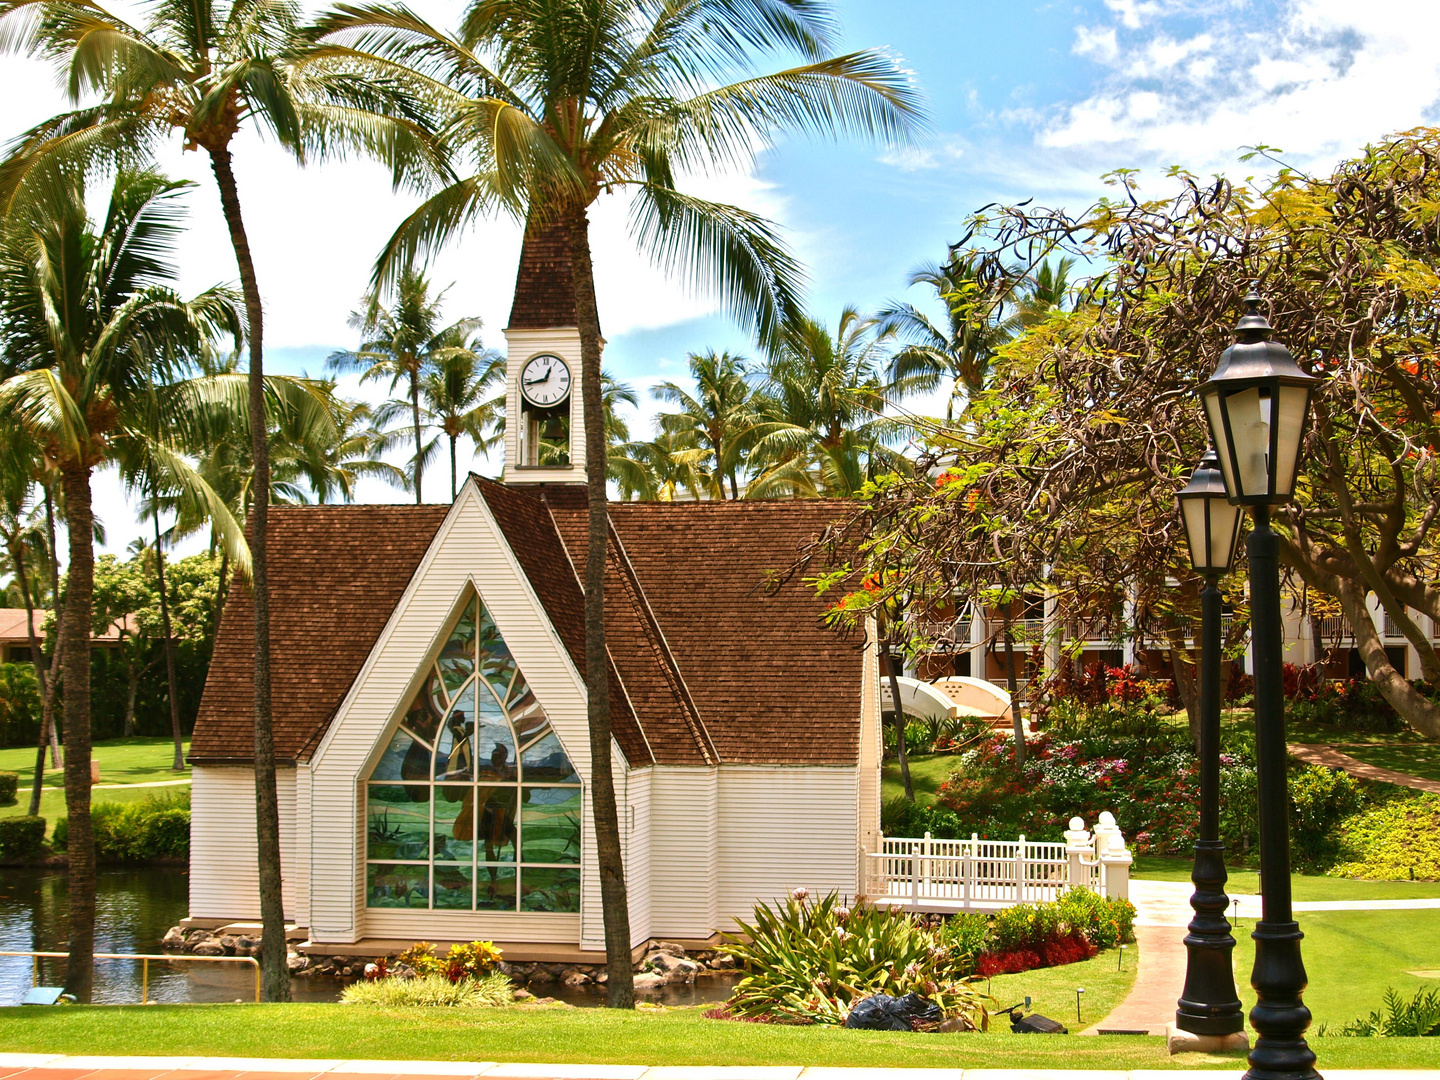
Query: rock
x,y
523,995
541,974
228,943
648,980
174,938
602,977
673,969
245,941
955,1023
209,948
668,947
722,962
348,971
576,978
297,963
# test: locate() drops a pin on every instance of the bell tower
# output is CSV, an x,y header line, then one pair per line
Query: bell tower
x,y
544,417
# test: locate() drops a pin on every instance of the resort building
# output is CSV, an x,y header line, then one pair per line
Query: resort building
x,y
430,705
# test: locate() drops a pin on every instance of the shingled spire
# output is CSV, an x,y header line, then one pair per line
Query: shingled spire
x,y
544,285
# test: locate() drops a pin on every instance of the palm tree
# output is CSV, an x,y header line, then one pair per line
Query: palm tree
x,y
560,101
402,343
719,419
822,405
205,72
1046,290
980,316
98,336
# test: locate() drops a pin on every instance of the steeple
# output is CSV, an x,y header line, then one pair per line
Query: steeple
x,y
545,438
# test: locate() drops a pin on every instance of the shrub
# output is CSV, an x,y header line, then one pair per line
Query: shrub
x,y
1028,936
9,785
1320,799
155,827
434,989
1349,705
901,817
22,839
1394,841
811,961
19,705
471,961
1419,1016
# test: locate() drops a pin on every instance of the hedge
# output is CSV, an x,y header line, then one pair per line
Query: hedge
x,y
9,784
22,839
1396,841
157,827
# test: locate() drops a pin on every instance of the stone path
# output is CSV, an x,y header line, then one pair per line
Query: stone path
x,y
1334,759
49,1067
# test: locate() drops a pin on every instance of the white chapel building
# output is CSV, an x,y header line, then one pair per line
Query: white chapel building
x,y
430,716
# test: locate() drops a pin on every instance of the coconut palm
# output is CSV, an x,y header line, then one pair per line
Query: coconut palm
x,y
720,418
558,102
205,72
823,406
98,337
980,316
402,344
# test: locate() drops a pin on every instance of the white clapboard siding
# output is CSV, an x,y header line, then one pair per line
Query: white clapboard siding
x,y
468,549
527,926
635,826
300,887
871,746
592,913
684,851
224,864
782,827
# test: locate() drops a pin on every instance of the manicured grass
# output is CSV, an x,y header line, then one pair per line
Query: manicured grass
x,y
1352,957
927,773
52,802
1106,979
1411,758
1246,882
670,1037
137,760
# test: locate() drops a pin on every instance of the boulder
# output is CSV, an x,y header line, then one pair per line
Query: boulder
x,y
955,1023
245,941
523,995
174,938
228,943
297,963
668,947
648,980
672,969
722,962
575,977
209,948
541,974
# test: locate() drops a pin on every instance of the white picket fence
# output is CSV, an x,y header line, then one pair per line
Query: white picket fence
x,y
930,874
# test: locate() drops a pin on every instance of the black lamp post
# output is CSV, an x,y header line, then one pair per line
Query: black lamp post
x,y
1209,1004
1257,403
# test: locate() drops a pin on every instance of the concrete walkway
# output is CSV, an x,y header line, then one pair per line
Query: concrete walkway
x,y
47,1067
1334,759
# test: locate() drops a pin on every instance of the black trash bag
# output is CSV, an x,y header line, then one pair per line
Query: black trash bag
x,y
885,1013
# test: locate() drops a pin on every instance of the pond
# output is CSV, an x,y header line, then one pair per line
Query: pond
x,y
133,909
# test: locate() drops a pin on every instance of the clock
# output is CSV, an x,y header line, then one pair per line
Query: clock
x,y
545,380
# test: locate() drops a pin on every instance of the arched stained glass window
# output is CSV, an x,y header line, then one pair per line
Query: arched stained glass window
x,y
473,805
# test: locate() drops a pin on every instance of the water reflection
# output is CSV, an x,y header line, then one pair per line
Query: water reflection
x,y
134,908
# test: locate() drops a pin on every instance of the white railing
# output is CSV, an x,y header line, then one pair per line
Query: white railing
x,y
933,874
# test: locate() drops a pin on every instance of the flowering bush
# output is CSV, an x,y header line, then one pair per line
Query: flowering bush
x,y
472,961
809,961
1028,936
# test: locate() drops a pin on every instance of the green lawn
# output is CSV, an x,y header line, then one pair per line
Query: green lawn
x,y
927,773
137,760
670,1037
1353,956
1412,758
122,761
1106,980
1246,882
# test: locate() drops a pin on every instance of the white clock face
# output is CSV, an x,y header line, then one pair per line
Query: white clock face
x,y
545,380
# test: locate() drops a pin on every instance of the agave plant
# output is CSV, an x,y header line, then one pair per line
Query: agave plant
x,y
811,961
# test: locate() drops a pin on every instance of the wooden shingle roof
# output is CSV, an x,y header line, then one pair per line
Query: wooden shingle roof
x,y
544,281
707,665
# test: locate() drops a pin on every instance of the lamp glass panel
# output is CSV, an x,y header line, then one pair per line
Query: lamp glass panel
x,y
1224,522
1192,512
1290,409
1249,414
1219,436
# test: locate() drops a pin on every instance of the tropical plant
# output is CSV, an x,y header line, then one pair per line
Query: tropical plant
x,y
206,73
1398,1018
716,424
981,314
100,339
390,993
558,102
401,345
458,397
811,961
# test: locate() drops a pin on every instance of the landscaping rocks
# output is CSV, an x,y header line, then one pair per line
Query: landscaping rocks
x,y
671,968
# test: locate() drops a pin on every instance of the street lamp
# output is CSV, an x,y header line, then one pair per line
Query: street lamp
x,y
1257,403
1209,1006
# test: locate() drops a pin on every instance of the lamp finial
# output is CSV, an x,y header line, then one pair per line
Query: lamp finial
x,y
1253,326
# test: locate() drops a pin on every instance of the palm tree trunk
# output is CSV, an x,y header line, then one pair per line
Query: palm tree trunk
x,y
48,705
132,688
75,628
452,468
42,673
620,979
415,420
267,804
1016,721
174,684
899,710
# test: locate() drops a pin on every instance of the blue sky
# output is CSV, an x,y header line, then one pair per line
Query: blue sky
x,y
1028,99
